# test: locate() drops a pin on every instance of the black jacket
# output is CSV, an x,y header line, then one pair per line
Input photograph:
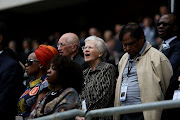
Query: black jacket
x,y
11,84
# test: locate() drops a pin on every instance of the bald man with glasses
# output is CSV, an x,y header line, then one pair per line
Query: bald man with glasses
x,y
68,45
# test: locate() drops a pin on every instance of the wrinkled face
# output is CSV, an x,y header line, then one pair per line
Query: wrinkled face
x,y
52,76
91,52
64,48
32,66
132,45
165,27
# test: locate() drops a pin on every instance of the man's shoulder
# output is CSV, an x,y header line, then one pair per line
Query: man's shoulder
x,y
175,42
6,58
78,58
124,57
155,54
7,61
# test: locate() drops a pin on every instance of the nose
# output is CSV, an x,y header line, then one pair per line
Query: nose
x,y
26,65
128,48
59,47
86,50
161,25
48,71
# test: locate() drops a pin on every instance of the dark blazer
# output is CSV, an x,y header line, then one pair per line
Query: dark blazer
x,y
172,114
80,60
173,54
11,85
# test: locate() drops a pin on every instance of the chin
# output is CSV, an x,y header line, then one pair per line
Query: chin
x,y
86,59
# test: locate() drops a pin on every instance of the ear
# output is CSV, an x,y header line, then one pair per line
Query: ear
x,y
100,54
41,66
142,37
74,47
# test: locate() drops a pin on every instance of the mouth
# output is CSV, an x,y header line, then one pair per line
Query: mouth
x,y
160,32
26,70
87,54
60,53
47,77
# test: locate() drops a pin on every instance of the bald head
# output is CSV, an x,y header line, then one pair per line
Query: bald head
x,y
68,45
171,19
71,38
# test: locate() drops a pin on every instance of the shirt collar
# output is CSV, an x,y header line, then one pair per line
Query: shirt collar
x,y
170,39
143,48
1,51
98,66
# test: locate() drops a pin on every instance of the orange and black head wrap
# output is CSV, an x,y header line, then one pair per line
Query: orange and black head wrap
x,y
45,53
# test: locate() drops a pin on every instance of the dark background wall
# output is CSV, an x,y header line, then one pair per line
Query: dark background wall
x,y
38,21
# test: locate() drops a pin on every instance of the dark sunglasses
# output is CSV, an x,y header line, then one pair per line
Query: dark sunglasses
x,y
30,61
164,24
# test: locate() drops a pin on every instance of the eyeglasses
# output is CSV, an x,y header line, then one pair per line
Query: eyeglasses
x,y
87,47
30,61
164,24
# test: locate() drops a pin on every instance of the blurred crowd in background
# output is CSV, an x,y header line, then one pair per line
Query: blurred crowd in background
x,y
110,37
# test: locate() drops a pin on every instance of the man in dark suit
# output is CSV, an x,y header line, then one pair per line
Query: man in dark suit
x,y
11,80
68,45
167,30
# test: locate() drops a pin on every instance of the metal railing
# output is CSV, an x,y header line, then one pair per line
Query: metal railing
x,y
63,115
113,110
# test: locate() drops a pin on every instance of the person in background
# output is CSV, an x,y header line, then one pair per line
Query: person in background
x,y
144,74
98,87
11,79
68,45
13,46
118,48
172,114
95,31
35,44
26,50
65,78
36,66
149,30
163,9
167,31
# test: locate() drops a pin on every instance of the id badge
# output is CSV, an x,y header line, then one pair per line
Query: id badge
x,y
19,118
84,108
123,91
176,95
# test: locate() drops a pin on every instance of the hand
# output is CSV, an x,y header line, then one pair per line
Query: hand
x,y
79,118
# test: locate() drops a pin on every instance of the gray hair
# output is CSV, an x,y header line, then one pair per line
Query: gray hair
x,y
100,44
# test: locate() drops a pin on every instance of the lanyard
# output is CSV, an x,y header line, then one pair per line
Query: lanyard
x,y
130,66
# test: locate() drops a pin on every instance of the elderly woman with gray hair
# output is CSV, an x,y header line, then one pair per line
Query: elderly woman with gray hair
x,y
99,84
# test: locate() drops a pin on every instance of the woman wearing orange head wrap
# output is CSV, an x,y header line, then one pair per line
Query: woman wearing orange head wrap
x,y
36,66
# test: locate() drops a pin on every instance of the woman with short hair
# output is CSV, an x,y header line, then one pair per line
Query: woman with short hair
x,y
99,84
